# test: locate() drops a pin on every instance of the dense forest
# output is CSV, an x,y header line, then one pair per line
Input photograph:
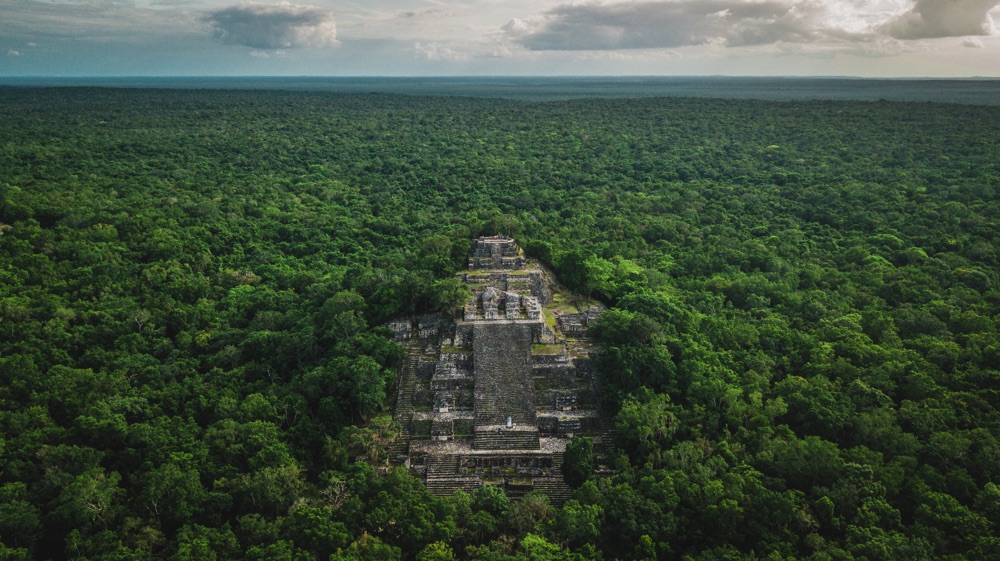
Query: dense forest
x,y
802,350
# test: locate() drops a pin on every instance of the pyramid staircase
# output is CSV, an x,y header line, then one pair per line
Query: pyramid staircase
x,y
443,478
555,488
605,436
404,404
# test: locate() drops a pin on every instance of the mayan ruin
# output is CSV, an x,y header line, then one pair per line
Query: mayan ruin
x,y
493,395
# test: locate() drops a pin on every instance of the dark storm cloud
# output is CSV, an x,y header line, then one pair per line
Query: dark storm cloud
x,y
638,25
274,26
943,18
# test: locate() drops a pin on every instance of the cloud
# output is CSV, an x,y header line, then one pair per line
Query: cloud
x,y
59,24
13,52
973,43
517,26
943,18
679,23
658,24
274,26
434,51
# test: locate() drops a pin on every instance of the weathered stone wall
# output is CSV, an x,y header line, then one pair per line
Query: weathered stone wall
x,y
463,335
554,424
540,333
527,282
561,375
549,359
496,253
430,326
402,328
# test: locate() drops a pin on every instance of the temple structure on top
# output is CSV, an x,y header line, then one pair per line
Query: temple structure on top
x,y
496,252
491,395
490,303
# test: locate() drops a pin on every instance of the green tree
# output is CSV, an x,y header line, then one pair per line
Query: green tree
x,y
578,460
577,524
314,529
368,548
91,500
647,422
450,295
20,524
437,551
172,494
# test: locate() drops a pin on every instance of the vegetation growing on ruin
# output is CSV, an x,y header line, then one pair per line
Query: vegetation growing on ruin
x,y
802,348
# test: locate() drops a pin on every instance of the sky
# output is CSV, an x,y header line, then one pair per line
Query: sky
x,y
870,38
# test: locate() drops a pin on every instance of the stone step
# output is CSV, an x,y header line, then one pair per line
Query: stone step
x,y
506,440
403,415
557,461
556,489
443,487
569,425
442,465
502,365
400,446
605,438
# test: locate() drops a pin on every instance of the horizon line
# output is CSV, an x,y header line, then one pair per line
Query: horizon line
x,y
484,76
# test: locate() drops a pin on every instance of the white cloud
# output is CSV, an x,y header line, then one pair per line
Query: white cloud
x,y
274,26
31,45
500,51
679,23
434,51
860,37
653,24
517,26
944,18
13,52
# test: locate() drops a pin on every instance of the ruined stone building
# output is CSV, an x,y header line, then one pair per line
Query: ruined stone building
x,y
493,395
